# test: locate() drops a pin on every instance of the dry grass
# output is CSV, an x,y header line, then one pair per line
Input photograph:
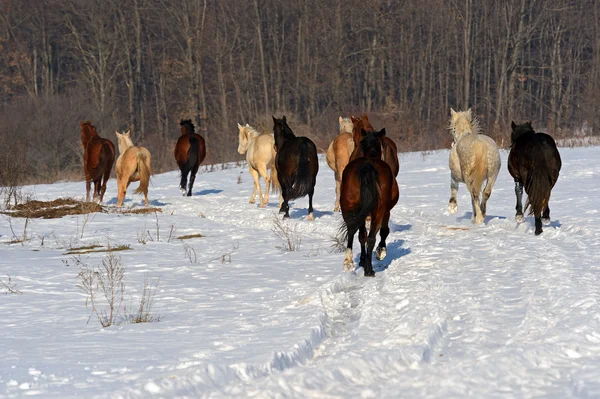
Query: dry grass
x,y
188,236
92,248
53,209
455,227
138,211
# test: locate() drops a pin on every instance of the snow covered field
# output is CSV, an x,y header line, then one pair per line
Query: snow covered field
x,y
455,310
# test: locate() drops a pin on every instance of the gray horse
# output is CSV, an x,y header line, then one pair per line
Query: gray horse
x,y
474,158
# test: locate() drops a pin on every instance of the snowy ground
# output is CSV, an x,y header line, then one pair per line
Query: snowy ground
x,y
455,310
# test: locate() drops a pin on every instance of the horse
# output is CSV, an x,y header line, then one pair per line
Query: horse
x,y
369,188
98,160
338,155
534,163
133,164
297,166
260,154
190,151
474,157
389,150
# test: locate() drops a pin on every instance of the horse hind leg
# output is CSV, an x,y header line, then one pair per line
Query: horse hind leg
x,y
362,238
88,187
519,217
381,250
256,187
192,179
368,264
338,185
452,205
546,215
264,198
348,260
477,217
183,182
310,204
487,193
97,188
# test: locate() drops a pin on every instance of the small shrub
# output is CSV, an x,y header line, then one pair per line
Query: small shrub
x,y
8,287
290,236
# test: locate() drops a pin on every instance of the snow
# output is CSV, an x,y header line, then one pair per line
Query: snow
x,y
455,310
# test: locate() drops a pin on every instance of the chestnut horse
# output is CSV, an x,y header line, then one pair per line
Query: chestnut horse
x,y
297,165
369,188
98,160
190,151
533,162
133,165
338,155
389,150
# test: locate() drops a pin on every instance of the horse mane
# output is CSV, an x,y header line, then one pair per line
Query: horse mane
x,y
287,131
88,131
458,121
252,132
187,127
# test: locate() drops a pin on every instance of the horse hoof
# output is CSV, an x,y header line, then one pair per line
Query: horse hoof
x,y
370,274
251,201
380,253
477,220
310,217
452,207
348,265
336,209
519,218
182,191
286,216
546,221
538,232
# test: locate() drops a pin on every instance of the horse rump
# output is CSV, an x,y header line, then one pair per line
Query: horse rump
x,y
370,186
143,172
304,180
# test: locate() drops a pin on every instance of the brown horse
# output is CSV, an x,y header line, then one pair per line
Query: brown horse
x,y
297,166
369,188
98,160
190,151
389,150
338,155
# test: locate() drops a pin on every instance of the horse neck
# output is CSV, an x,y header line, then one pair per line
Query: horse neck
x,y
124,145
86,135
282,136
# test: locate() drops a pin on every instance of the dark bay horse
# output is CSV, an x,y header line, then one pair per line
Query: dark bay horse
x,y
98,160
534,162
297,165
190,151
389,150
369,188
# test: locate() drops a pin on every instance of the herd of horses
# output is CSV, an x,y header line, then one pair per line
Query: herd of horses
x,y
365,165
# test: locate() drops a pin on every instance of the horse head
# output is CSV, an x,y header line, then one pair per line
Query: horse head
x,y
243,138
370,143
462,123
358,124
124,141
346,125
281,131
87,132
187,127
519,130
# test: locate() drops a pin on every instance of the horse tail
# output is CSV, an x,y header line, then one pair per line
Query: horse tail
x,y
143,172
538,185
304,181
192,154
370,185
275,186
478,172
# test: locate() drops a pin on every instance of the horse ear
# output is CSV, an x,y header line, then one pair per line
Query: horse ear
x,y
469,112
353,119
366,117
128,133
452,112
512,124
341,120
239,126
283,119
381,133
274,119
118,134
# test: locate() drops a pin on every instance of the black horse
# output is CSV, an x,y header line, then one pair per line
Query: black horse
x,y
297,166
534,163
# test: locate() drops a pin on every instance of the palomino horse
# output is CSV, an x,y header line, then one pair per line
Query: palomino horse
x,y
132,165
260,154
297,165
338,155
534,162
369,188
190,151
389,151
474,158
98,160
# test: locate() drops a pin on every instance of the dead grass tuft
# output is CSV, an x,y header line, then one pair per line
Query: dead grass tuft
x,y
139,211
188,236
53,209
91,248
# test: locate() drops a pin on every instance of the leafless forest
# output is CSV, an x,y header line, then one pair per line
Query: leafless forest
x,y
145,64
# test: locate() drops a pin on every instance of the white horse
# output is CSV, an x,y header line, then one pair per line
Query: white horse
x,y
260,154
474,158
338,155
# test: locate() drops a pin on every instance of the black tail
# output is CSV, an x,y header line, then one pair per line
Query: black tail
x,y
369,196
303,181
538,184
192,155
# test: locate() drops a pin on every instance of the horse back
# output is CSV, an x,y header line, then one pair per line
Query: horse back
x,y
390,154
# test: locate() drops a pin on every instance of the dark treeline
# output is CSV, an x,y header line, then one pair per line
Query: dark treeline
x,y
145,64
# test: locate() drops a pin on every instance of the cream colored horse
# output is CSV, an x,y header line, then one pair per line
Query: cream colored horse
x,y
133,164
474,158
338,155
260,154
